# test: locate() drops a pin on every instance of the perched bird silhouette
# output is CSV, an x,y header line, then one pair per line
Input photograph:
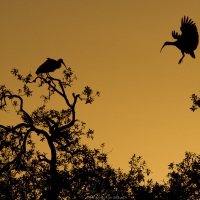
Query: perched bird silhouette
x,y
50,65
188,41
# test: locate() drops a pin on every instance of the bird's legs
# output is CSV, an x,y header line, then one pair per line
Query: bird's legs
x,y
181,58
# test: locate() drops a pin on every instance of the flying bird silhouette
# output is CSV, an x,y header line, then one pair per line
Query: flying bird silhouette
x,y
188,41
50,65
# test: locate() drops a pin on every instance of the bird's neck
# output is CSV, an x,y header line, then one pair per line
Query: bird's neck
x,y
171,43
175,43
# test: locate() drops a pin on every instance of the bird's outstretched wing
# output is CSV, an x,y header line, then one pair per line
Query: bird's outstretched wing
x,y
175,35
189,32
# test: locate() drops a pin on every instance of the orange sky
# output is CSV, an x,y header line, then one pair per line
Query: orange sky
x,y
113,46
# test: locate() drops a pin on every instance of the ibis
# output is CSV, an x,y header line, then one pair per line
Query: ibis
x,y
188,41
50,65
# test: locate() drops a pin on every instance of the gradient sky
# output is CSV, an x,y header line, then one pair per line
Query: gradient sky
x,y
114,47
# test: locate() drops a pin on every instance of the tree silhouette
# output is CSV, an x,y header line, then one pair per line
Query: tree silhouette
x,y
71,170
21,165
184,178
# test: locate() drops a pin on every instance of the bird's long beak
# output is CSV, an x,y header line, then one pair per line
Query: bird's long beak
x,y
64,65
163,46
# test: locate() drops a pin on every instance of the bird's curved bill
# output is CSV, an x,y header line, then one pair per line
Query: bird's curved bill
x,y
64,65
162,47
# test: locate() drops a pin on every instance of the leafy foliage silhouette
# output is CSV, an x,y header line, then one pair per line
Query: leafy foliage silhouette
x,y
184,178
71,170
